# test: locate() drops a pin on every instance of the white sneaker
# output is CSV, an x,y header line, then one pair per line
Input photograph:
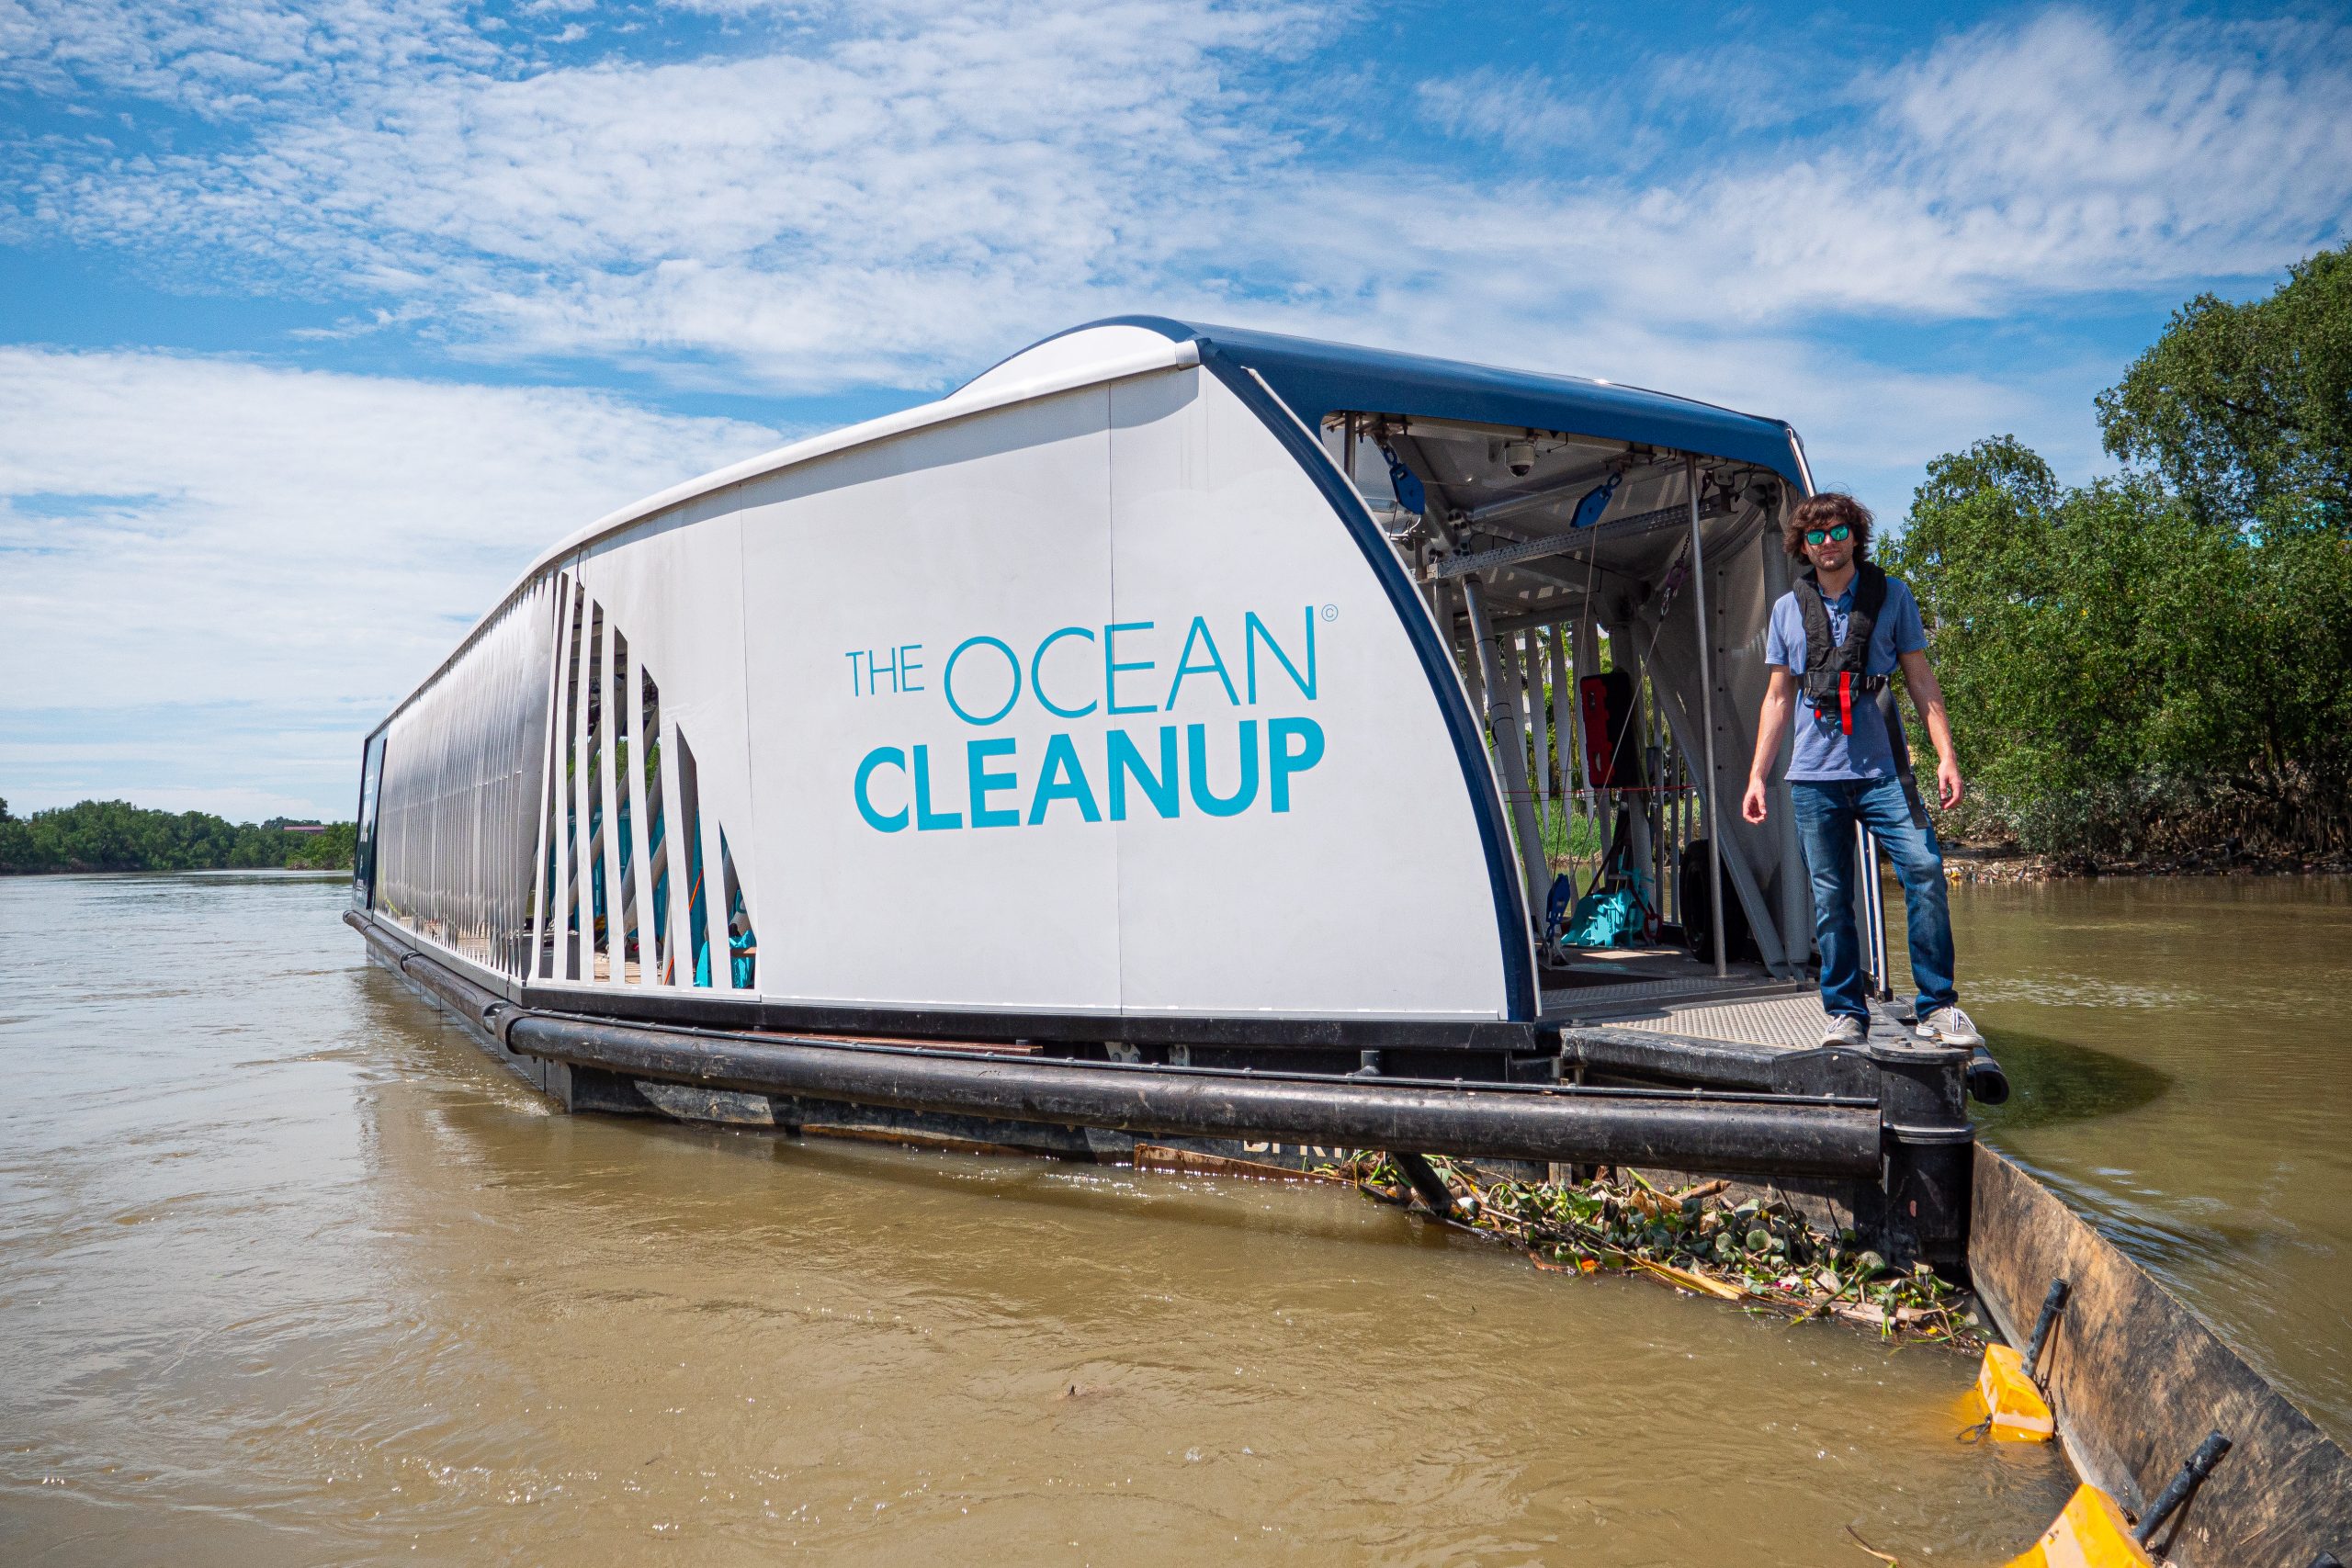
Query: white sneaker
x,y
1949,1026
1844,1029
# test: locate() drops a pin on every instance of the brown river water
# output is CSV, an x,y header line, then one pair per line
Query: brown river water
x,y
290,1273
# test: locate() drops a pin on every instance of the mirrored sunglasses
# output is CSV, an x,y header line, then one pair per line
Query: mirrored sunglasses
x,y
1838,532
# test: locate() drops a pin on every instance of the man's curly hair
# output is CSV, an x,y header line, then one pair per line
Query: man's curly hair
x,y
1825,511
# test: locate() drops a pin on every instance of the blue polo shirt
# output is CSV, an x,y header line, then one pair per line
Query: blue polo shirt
x,y
1823,749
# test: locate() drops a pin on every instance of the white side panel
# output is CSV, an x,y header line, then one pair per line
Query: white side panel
x,y
1369,895
855,567
804,628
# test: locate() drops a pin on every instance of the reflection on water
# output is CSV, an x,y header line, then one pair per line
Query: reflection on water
x,y
288,1272
2056,1080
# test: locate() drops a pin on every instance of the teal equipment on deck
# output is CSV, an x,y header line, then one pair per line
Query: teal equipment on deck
x,y
1616,912
1608,917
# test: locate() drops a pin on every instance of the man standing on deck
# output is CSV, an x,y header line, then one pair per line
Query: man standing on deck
x,y
1836,638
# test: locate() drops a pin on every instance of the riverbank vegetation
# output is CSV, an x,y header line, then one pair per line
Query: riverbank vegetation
x,y
114,835
2152,670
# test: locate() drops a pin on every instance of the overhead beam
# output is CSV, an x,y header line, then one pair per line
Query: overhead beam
x,y
1516,554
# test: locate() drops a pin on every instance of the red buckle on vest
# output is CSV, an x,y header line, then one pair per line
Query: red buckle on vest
x,y
1846,699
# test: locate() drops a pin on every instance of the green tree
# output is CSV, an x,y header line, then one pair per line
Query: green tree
x,y
327,852
2158,663
2245,411
114,835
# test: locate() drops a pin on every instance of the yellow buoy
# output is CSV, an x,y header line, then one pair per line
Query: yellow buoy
x,y
2008,1394
2015,1411
2091,1532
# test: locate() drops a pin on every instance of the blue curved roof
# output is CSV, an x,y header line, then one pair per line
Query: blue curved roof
x,y
1317,378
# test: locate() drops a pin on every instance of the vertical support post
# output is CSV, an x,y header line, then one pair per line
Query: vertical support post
x,y
1662,782
1870,913
1539,728
1682,829
1707,721
1585,662
1878,926
1562,733
1475,677
1523,680
1511,741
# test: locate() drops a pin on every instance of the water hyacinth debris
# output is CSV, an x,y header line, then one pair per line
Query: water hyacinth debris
x,y
1761,1252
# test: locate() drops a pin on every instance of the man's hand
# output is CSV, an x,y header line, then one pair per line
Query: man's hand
x,y
1771,728
1928,698
1948,788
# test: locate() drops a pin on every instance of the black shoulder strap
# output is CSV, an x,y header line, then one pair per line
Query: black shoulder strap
x,y
1870,598
1820,653
1869,592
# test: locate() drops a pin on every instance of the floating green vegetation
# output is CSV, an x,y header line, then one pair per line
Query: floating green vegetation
x,y
1760,1252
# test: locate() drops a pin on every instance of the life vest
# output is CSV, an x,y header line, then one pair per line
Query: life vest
x,y
1835,678
1835,673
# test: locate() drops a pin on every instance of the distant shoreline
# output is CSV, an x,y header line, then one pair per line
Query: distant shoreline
x,y
169,870
97,836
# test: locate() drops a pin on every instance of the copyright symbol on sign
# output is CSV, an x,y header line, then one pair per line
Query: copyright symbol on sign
x,y
1331,611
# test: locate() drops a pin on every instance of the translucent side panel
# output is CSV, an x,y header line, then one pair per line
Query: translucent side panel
x,y
459,816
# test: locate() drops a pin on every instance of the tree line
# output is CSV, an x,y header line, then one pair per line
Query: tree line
x,y
114,835
2155,667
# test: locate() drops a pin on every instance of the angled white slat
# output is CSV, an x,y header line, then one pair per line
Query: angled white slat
x,y
608,748
679,957
542,883
535,917
582,964
640,859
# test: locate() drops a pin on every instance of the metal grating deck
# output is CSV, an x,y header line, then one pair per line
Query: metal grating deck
x,y
1588,1001
1795,1021
1759,1011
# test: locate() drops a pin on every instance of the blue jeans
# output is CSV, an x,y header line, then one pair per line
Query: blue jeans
x,y
1826,811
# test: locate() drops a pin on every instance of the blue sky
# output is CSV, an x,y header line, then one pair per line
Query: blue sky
x,y
317,323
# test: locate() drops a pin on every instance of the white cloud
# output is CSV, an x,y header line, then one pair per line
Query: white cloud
x,y
885,203
179,534
920,188
2014,162
220,59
